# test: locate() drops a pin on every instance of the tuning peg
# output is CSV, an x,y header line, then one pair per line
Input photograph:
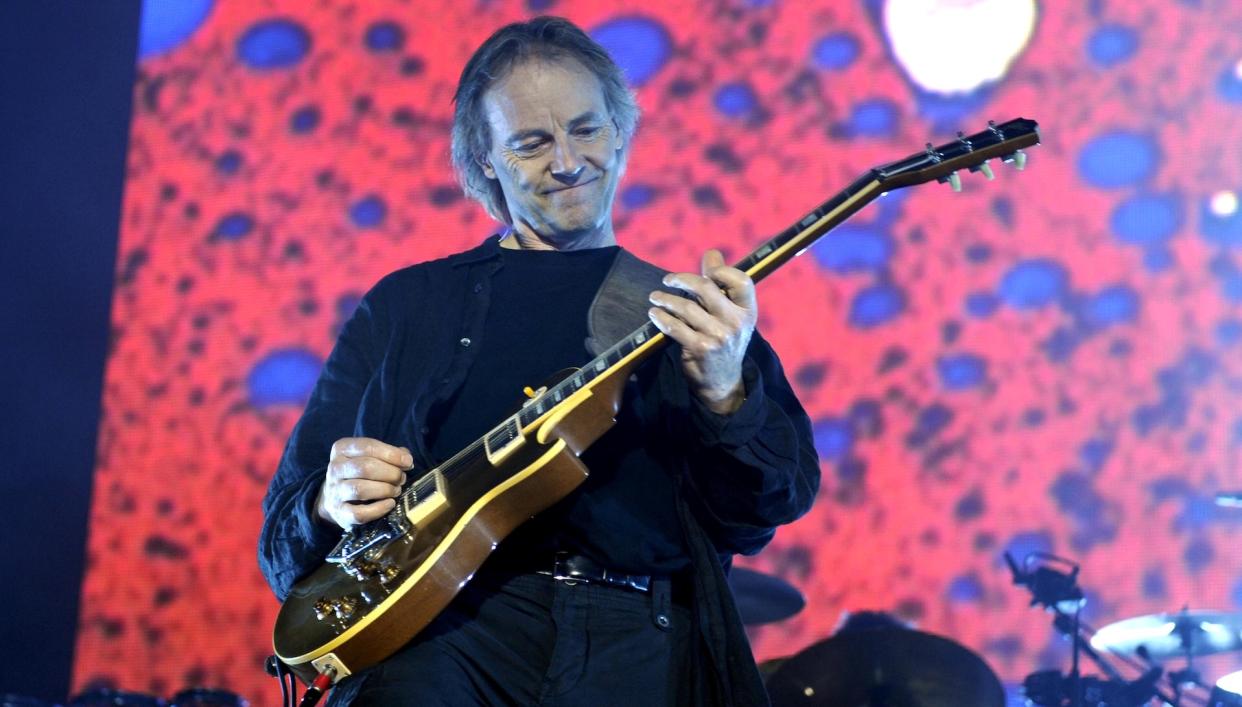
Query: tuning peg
x,y
954,180
1018,158
985,169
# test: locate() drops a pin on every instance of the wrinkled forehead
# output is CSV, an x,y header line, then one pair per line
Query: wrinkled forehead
x,y
540,93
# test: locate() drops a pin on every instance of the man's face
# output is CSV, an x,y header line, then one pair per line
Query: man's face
x,y
555,151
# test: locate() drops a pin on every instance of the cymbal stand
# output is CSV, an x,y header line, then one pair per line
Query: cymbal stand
x,y
1059,593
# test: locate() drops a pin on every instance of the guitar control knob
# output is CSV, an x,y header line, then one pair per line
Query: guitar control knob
x,y
323,609
345,607
389,572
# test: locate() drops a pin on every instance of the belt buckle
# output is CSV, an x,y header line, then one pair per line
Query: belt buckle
x,y
561,574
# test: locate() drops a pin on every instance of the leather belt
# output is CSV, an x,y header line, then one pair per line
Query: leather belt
x,y
574,569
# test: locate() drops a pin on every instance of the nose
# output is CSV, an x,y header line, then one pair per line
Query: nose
x,y
567,164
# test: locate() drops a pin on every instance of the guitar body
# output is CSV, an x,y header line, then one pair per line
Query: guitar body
x,y
388,579
334,618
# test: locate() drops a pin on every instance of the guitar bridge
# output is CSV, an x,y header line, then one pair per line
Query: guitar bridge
x,y
369,539
423,500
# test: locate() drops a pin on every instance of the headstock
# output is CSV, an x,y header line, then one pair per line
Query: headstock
x,y
1005,142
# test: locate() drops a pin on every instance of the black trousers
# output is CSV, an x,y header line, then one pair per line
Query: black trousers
x,y
532,640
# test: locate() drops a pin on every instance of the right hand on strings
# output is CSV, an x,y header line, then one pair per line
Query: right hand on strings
x,y
364,478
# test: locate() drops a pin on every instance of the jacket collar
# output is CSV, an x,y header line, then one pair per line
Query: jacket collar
x,y
487,250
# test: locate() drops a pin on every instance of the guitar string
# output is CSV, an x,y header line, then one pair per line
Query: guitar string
x,y
458,464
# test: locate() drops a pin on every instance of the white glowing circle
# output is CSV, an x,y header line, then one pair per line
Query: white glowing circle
x,y
956,46
1231,683
1237,69
1224,203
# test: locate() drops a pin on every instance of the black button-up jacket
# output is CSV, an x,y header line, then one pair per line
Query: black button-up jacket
x,y
407,347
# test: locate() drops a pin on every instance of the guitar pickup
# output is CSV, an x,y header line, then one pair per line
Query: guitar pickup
x,y
426,498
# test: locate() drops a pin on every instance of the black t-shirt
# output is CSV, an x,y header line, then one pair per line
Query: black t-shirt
x,y
623,516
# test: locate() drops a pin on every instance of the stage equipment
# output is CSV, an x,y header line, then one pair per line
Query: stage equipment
x,y
105,697
763,598
1184,634
886,668
388,579
1229,499
8,700
205,697
1141,642
1228,691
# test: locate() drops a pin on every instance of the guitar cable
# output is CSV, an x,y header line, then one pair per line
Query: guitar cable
x,y
320,685
288,691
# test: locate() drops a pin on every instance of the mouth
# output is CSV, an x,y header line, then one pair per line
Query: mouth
x,y
571,187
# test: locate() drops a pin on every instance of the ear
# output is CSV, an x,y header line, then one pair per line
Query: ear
x,y
485,163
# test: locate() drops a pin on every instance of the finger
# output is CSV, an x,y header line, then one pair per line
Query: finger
x,y
360,513
678,330
737,285
365,490
711,260
693,314
365,468
710,296
367,447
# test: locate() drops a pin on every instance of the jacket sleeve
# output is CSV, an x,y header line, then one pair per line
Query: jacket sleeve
x,y
755,469
293,540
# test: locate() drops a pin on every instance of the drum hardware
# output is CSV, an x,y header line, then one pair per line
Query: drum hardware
x,y
106,697
763,598
885,667
1229,499
12,700
1227,692
1058,592
207,697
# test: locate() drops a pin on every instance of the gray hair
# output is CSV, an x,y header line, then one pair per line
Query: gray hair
x,y
548,38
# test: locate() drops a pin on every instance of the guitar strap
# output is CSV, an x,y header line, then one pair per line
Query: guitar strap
x,y
729,676
620,306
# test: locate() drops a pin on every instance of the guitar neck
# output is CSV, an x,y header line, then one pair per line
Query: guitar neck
x,y
932,164
647,339
789,243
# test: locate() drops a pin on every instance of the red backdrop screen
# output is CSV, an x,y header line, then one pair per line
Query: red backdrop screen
x,y
1048,361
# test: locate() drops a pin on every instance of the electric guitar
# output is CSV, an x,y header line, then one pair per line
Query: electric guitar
x,y
386,580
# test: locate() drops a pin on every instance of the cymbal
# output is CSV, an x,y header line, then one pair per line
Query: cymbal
x,y
763,598
1172,635
886,668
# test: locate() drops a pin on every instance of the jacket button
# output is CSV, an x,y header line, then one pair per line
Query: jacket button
x,y
465,341
478,287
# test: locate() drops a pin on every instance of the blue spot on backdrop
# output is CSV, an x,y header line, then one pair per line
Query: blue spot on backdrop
x,y
1118,159
283,377
640,46
273,44
1032,284
165,24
